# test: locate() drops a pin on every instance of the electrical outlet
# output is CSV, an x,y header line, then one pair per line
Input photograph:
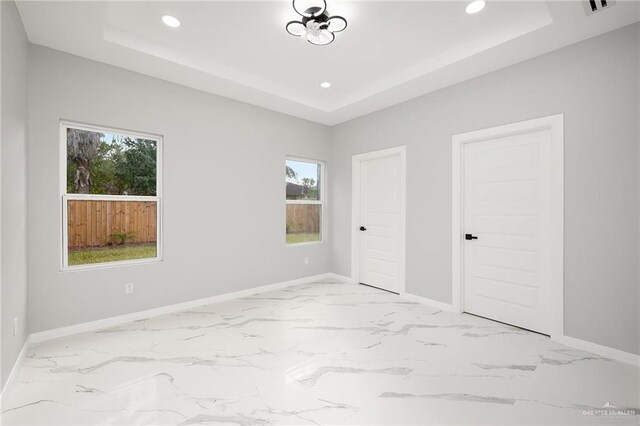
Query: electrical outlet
x,y
128,288
15,326
306,260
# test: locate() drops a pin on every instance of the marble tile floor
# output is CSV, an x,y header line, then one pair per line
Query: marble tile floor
x,y
322,353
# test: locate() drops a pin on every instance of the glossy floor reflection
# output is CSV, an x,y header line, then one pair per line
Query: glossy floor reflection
x,y
322,353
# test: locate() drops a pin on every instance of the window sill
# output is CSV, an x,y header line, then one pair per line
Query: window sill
x,y
109,265
310,243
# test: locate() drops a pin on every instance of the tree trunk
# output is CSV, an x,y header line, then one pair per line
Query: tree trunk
x,y
83,179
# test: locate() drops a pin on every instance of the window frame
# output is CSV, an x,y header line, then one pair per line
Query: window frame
x,y
322,202
64,197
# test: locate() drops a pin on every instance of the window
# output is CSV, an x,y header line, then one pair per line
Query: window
x,y
110,197
305,198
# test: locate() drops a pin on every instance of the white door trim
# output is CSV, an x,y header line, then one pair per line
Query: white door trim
x,y
555,123
355,208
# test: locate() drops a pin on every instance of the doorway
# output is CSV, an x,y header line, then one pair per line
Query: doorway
x,y
508,224
378,219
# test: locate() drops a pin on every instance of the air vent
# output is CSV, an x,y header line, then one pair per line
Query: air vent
x,y
593,6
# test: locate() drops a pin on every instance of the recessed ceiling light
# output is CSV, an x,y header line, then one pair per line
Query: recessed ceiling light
x,y
325,85
475,6
170,21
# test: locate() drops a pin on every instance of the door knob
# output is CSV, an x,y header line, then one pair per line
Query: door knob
x,y
362,228
470,237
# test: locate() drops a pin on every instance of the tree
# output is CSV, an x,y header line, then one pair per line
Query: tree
x,y
104,169
137,171
82,147
291,174
110,164
308,182
311,188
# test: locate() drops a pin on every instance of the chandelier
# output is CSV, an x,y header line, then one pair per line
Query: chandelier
x,y
316,26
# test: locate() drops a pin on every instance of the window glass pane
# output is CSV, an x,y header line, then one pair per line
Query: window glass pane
x,y
101,231
110,164
303,223
302,180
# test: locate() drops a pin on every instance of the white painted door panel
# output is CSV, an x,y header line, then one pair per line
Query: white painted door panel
x,y
380,209
507,205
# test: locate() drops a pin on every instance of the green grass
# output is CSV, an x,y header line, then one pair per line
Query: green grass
x,y
302,238
111,254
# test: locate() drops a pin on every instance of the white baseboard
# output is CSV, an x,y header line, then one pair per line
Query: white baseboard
x,y
339,277
447,307
123,319
16,366
605,351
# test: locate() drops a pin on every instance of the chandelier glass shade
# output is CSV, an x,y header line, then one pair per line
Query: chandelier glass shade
x,y
316,26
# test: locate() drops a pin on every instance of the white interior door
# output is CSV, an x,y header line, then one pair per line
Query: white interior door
x,y
380,224
507,206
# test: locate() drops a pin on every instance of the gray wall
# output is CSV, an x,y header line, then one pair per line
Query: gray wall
x,y
223,201
595,84
14,184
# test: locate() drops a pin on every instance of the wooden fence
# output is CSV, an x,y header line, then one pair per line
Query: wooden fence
x,y
303,218
93,223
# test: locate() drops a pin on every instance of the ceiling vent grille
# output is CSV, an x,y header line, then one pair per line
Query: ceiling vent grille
x,y
593,6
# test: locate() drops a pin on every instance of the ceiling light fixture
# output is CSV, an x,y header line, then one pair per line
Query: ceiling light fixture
x,y
316,26
170,21
325,85
475,6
